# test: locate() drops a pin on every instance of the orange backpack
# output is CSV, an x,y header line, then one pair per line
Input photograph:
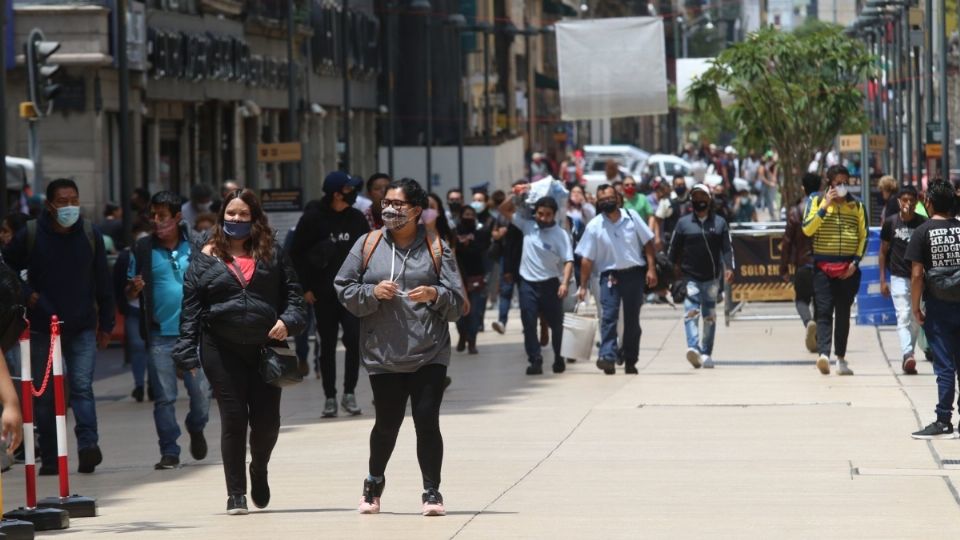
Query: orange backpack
x,y
372,240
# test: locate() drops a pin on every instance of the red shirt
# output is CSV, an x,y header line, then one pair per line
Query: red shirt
x,y
247,266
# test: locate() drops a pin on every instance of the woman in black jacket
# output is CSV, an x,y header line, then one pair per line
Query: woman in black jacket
x,y
472,243
238,295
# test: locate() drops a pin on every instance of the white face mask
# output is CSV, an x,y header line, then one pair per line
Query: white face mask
x,y
841,190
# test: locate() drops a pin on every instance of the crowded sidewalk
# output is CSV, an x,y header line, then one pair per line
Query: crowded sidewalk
x,y
762,446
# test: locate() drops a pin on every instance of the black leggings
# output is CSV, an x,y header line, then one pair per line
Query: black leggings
x,y
833,297
390,392
244,398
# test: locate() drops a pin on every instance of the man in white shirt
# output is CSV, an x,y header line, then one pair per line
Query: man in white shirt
x,y
546,268
618,243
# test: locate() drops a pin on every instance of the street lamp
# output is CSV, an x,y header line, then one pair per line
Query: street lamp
x,y
423,7
459,22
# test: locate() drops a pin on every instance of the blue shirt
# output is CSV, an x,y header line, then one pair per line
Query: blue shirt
x,y
168,267
615,246
545,251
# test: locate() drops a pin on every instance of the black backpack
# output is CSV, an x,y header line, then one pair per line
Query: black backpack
x,y
944,283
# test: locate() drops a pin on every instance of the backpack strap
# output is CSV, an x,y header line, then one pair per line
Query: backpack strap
x,y
91,238
436,251
370,243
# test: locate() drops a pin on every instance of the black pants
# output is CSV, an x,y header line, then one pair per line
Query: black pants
x,y
424,387
803,292
536,298
331,315
244,399
833,296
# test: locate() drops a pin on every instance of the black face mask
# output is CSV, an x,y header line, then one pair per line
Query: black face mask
x,y
607,207
455,206
350,198
681,191
545,224
700,206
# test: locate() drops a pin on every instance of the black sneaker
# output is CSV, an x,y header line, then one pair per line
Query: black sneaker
x,y
89,459
433,503
607,366
259,487
535,369
237,505
631,369
559,366
936,430
167,462
137,394
198,445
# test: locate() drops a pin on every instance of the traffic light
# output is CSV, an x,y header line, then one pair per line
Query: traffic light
x,y
41,87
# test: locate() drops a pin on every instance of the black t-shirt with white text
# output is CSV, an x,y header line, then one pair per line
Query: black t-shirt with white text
x,y
936,244
898,233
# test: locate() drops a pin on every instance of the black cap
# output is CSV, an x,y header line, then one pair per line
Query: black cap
x,y
337,180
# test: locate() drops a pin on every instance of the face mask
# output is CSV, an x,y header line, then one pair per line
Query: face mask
x,y
429,216
680,191
237,229
68,215
350,198
455,206
545,224
629,191
167,228
700,206
478,206
607,207
394,219
841,190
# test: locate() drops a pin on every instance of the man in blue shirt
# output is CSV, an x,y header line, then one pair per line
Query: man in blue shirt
x,y
546,267
67,271
618,244
156,275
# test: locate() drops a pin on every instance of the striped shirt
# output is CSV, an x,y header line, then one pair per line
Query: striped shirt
x,y
839,232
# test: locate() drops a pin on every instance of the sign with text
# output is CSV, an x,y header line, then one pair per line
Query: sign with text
x,y
281,200
854,143
278,152
757,276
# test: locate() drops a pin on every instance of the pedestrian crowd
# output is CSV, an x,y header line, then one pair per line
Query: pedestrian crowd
x,y
209,295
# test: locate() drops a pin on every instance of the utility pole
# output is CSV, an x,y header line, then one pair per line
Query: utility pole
x,y
344,62
944,117
289,178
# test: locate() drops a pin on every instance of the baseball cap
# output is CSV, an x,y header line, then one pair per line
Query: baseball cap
x,y
337,180
703,188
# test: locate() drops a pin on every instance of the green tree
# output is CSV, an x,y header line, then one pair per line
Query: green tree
x,y
794,93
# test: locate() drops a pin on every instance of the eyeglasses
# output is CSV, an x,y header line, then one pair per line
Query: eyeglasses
x,y
394,203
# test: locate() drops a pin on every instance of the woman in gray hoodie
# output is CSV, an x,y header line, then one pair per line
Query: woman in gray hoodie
x,y
403,284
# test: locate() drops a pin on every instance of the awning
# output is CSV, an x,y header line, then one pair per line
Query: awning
x,y
547,83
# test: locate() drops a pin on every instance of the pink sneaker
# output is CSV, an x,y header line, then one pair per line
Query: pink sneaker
x,y
370,501
433,503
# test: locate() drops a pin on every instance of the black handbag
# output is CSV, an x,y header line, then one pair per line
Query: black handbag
x,y
279,365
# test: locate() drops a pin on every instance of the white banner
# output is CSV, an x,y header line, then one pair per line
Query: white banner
x,y
612,68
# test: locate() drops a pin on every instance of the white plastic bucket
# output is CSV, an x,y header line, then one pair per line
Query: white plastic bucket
x,y
579,335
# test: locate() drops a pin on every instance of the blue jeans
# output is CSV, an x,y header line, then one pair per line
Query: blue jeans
x,y
506,296
942,327
626,286
538,297
701,301
79,355
163,378
469,325
136,351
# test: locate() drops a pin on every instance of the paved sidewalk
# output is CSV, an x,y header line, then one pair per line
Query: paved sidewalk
x,y
762,447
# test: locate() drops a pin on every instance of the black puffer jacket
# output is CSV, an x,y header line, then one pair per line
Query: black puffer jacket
x,y
214,301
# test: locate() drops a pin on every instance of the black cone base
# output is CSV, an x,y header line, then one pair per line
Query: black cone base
x,y
43,519
14,529
78,505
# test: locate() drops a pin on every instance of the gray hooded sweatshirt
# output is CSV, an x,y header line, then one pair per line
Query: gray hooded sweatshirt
x,y
399,335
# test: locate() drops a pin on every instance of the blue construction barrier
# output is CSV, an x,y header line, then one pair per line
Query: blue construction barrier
x,y
873,309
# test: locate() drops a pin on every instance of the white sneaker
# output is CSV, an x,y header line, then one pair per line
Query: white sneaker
x,y
843,368
707,362
499,327
693,356
811,340
823,364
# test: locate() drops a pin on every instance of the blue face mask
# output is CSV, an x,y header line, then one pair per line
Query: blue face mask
x,y
237,229
67,216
